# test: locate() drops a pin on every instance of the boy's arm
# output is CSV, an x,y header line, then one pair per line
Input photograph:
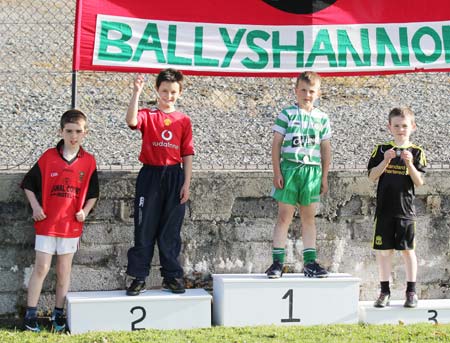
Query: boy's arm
x,y
416,175
185,189
83,213
132,111
277,141
376,172
38,212
325,153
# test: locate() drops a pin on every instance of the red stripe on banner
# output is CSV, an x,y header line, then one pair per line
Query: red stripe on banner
x,y
253,12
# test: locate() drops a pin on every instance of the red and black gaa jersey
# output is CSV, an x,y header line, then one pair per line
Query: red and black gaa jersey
x,y
395,191
62,188
166,137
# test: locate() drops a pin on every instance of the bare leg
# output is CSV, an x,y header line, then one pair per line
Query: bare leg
x,y
41,267
63,271
307,218
285,214
384,261
410,260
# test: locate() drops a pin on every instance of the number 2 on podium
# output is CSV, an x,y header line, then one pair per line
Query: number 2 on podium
x,y
290,294
140,319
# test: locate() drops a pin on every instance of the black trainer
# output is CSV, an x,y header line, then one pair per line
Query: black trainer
x,y
383,300
275,271
31,324
313,269
58,323
176,285
411,300
136,287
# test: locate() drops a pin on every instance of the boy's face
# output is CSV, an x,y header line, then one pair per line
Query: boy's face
x,y
306,93
168,94
401,128
73,134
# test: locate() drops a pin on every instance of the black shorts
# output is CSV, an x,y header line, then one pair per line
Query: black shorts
x,y
394,233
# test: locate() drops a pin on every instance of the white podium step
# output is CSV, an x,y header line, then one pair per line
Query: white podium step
x,y
428,310
253,299
156,309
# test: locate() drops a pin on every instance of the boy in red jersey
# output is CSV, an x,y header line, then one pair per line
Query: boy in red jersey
x,y
162,186
398,166
62,187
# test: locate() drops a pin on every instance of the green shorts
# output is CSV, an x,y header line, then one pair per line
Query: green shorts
x,y
302,184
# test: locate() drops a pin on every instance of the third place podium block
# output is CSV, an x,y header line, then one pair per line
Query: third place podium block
x,y
155,309
253,299
432,311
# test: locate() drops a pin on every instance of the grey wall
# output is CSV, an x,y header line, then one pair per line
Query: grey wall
x,y
228,229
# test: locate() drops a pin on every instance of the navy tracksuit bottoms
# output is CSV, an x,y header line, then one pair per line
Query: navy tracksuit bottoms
x,y
158,216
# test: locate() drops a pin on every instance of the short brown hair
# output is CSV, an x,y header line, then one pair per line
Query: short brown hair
x,y
309,77
170,75
403,112
72,116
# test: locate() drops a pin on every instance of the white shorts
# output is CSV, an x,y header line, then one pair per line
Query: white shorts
x,y
56,245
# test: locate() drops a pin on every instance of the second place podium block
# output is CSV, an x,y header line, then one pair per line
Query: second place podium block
x,y
155,309
253,299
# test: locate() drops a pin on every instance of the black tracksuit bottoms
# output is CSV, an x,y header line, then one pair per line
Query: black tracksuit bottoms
x,y
158,216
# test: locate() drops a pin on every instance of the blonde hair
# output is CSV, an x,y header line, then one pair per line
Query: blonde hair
x,y
309,77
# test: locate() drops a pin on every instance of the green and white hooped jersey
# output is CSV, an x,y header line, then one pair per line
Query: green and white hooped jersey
x,y
303,131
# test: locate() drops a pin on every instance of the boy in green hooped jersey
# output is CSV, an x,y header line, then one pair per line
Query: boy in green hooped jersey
x,y
301,155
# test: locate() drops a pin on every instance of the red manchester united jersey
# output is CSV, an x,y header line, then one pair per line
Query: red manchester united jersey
x,y
166,137
62,188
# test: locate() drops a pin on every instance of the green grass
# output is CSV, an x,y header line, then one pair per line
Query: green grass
x,y
420,333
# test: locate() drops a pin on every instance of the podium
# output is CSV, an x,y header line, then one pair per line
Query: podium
x,y
253,299
433,311
156,309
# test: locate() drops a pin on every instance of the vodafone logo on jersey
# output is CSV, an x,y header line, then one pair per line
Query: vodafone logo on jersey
x,y
167,135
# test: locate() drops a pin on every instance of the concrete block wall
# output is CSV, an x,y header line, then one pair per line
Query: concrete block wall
x,y
228,229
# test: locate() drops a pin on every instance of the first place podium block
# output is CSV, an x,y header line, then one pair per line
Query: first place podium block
x,y
154,309
253,299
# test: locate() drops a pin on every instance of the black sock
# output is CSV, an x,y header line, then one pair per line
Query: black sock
x,y
385,287
31,312
58,311
411,287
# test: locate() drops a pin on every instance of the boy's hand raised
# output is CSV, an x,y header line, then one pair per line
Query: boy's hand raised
x,y
139,82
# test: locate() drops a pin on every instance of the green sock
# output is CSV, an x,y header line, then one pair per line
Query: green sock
x,y
309,255
278,255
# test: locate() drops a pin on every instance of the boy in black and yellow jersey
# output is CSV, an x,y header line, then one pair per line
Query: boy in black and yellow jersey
x,y
398,166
